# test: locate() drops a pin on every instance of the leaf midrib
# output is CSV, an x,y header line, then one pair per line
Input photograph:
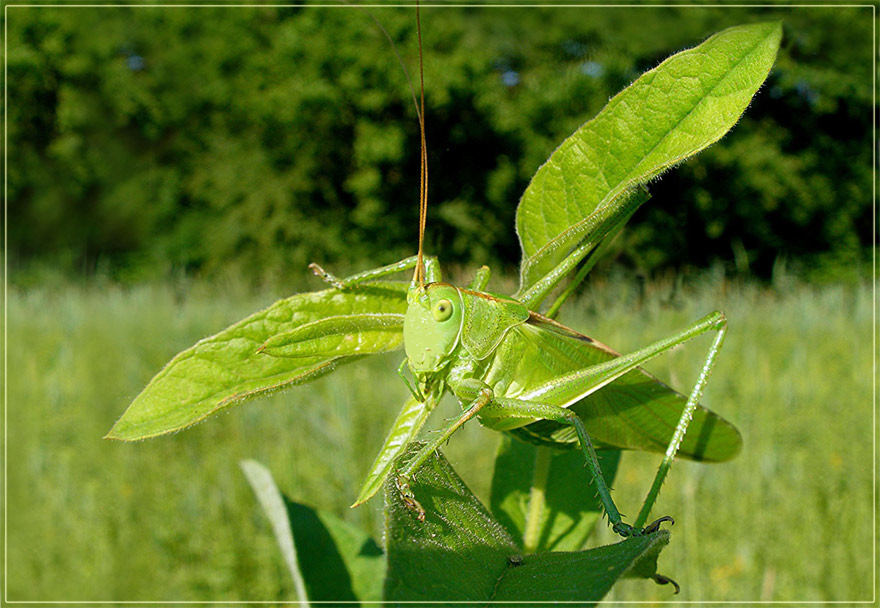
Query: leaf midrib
x,y
702,99
629,176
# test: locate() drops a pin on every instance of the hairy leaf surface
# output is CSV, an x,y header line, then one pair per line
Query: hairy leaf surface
x,y
461,553
669,113
227,368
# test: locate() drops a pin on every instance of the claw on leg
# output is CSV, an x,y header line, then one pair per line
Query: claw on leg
x,y
655,525
409,499
626,530
665,580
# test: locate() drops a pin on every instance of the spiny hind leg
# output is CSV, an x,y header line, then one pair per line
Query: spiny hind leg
x,y
575,385
506,408
720,326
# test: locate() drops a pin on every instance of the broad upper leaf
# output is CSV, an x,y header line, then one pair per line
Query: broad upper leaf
x,y
669,113
227,368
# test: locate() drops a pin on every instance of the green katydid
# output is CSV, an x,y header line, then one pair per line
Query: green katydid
x,y
518,370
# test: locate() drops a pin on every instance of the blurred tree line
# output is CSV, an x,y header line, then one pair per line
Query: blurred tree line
x,y
143,140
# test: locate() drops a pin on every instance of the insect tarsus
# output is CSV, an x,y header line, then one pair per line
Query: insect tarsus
x,y
409,499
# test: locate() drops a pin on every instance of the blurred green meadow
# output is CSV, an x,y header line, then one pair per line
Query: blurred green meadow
x,y
173,518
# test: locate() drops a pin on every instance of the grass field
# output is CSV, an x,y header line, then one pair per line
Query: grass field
x,y
173,518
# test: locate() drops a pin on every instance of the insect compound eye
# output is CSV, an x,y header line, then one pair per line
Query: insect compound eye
x,y
442,310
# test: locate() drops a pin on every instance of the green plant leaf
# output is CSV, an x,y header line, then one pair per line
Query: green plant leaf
x,y
594,249
568,507
274,507
461,553
226,368
668,114
340,562
457,553
581,576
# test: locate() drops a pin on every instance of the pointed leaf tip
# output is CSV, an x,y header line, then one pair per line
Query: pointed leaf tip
x,y
668,114
224,369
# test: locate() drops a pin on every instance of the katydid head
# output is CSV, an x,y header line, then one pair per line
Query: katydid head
x,y
431,326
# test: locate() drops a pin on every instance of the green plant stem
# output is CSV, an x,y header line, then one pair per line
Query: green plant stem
x,y
531,536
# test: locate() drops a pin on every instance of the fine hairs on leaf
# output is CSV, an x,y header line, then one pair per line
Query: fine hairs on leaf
x,y
462,553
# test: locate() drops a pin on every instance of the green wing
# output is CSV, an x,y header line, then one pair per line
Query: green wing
x,y
637,411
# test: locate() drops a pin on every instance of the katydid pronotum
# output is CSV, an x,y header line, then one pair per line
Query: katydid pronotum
x,y
516,369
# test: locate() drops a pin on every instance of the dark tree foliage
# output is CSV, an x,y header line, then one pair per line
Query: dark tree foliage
x,y
146,139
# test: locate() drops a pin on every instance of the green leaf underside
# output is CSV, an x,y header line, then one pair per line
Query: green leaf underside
x,y
636,411
460,553
226,368
571,505
340,562
668,114
270,499
404,430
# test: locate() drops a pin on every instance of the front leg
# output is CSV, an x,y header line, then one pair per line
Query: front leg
x,y
432,271
480,395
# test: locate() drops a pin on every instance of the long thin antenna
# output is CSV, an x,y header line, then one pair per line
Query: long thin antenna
x,y
412,89
423,182
420,112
